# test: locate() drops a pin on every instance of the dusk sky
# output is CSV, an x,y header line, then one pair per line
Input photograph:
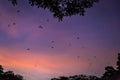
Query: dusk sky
x,y
37,46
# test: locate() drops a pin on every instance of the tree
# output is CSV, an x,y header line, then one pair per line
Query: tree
x,y
111,73
62,8
77,77
1,73
1,70
118,62
94,78
9,75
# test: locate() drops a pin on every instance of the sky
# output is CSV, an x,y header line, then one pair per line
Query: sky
x,y
37,46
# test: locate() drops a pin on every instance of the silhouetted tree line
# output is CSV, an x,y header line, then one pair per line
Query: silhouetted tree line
x,y
9,75
62,8
110,74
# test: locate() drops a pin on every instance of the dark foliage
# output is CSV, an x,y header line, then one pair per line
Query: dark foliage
x,y
9,75
110,74
62,8
77,77
118,62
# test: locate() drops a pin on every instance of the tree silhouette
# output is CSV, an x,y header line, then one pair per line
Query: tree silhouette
x,y
77,77
1,70
110,74
62,8
118,62
9,75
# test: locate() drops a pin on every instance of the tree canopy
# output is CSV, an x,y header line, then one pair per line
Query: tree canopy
x,y
62,8
9,75
109,74
77,77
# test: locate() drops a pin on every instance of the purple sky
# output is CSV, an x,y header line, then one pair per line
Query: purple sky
x,y
77,45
